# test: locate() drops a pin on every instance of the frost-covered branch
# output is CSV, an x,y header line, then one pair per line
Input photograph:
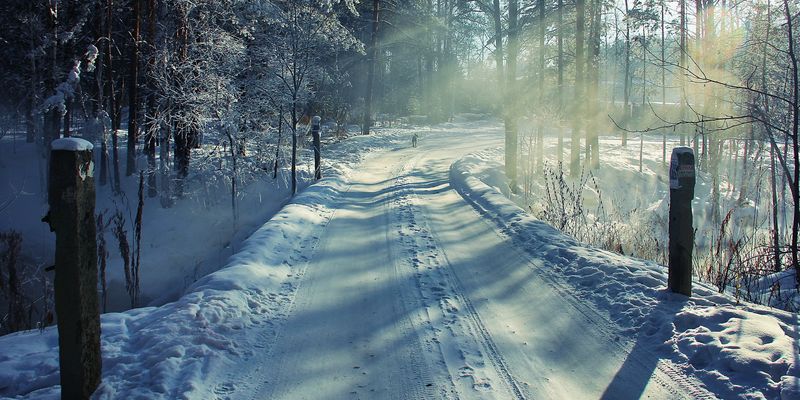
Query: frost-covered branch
x,y
65,91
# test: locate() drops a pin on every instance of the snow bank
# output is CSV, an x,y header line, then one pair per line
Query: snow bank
x,y
168,352
736,350
164,352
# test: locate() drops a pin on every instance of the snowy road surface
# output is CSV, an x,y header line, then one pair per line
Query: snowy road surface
x,y
410,276
410,293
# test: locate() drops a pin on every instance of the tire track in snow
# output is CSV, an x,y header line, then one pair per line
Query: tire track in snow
x,y
411,297
301,255
280,306
668,375
469,347
415,323
412,378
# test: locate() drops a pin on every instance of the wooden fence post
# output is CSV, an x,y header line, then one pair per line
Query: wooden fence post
x,y
317,146
681,233
72,205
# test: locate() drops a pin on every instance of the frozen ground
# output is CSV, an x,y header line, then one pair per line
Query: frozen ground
x,y
411,276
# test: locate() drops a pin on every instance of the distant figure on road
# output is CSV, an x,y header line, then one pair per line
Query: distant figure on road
x,y
414,140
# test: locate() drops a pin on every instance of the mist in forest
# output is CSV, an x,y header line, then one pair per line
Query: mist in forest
x,y
592,96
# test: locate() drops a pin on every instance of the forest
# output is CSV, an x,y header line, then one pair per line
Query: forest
x,y
178,91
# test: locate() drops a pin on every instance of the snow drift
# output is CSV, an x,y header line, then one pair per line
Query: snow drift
x,y
736,350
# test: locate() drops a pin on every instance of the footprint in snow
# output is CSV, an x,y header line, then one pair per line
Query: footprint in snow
x,y
225,388
479,384
482,385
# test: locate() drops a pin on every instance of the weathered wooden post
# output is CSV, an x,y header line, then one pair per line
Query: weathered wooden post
x,y
317,146
71,216
681,233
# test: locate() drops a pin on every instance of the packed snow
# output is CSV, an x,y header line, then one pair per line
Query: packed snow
x,y
71,144
409,273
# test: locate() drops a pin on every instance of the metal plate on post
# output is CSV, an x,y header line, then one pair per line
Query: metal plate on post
x,y
681,167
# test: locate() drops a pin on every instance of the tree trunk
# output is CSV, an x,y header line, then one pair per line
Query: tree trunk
x,y
511,95
714,160
663,88
698,27
560,62
51,127
592,137
52,117
117,184
104,156
184,133
234,167
452,65
99,115
294,146
183,154
498,44
30,119
575,145
153,126
133,99
420,80
30,123
68,52
166,182
795,110
111,95
278,143
663,60
682,67
430,54
498,57
644,68
540,128
743,186
67,119
373,58
626,91
776,243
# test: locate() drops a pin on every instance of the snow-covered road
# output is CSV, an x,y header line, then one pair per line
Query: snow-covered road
x,y
353,327
410,276
411,293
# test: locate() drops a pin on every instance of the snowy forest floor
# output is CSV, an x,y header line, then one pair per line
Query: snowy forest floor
x,y
409,275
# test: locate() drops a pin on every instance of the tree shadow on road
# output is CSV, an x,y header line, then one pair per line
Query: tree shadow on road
x,y
641,364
